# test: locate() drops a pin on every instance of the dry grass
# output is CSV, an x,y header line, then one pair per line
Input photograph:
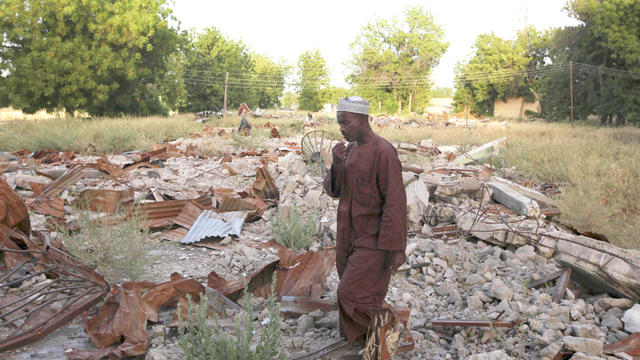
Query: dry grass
x,y
98,135
601,165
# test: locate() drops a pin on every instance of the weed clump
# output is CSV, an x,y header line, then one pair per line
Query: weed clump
x,y
200,339
293,230
120,252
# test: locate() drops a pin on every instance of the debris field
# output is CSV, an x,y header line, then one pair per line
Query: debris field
x,y
489,273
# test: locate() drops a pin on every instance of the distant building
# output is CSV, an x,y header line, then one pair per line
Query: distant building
x,y
329,108
439,106
514,108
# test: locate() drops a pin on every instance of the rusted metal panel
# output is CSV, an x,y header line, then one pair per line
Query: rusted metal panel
x,y
265,187
210,224
189,215
58,185
13,212
169,208
53,206
104,200
629,345
63,288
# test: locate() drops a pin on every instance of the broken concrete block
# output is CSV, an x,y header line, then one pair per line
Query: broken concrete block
x,y
598,265
530,193
480,154
584,345
631,319
464,185
417,201
515,201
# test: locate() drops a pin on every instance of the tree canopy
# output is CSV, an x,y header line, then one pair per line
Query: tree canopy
x,y
313,76
603,52
105,57
393,60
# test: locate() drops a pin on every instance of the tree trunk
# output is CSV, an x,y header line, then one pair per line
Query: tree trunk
x,y
410,101
399,107
379,105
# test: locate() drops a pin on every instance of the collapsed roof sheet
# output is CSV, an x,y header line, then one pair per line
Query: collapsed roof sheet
x,y
211,224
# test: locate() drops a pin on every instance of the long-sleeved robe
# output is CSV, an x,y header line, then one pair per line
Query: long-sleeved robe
x,y
372,220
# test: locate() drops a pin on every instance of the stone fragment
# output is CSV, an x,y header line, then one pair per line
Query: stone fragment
x,y
608,303
585,331
474,303
500,291
611,322
583,356
631,319
555,324
584,345
474,279
526,253
494,355
305,323
156,354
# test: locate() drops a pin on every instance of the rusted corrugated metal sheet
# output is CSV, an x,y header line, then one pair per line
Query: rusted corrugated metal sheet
x,y
64,288
189,214
629,345
169,208
105,200
210,224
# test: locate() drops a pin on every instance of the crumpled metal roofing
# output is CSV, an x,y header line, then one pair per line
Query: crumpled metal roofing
x,y
212,224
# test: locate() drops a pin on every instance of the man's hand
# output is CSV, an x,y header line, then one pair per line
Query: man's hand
x,y
339,153
393,259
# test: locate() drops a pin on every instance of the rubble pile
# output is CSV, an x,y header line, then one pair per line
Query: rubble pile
x,y
489,274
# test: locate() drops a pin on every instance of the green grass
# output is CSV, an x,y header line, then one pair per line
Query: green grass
x,y
98,135
120,252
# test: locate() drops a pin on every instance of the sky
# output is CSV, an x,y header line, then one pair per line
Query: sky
x,y
283,29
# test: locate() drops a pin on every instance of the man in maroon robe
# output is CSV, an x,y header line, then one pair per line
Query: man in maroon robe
x,y
366,175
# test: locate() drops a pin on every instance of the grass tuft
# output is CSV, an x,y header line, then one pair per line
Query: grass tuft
x,y
200,339
98,135
293,230
120,252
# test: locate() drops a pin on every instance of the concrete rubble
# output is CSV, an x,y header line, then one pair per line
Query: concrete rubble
x,y
477,242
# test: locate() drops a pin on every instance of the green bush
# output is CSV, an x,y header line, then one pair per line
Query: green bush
x,y
120,252
201,340
293,230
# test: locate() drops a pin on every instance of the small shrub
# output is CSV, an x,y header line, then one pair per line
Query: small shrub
x,y
293,230
119,252
255,140
201,340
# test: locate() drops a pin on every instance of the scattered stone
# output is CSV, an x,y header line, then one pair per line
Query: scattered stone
x,y
494,355
631,319
501,291
612,322
305,322
526,253
584,345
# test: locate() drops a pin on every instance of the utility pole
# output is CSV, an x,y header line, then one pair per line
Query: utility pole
x,y
571,89
226,85
466,112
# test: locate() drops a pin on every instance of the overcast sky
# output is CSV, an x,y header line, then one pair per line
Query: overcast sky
x,y
283,29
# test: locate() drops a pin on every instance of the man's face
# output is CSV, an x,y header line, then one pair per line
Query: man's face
x,y
350,125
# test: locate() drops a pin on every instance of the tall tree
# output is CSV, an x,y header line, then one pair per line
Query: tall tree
x,y
499,69
103,56
313,76
269,77
208,57
393,59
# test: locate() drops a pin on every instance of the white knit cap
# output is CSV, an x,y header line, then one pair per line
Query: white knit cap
x,y
354,104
